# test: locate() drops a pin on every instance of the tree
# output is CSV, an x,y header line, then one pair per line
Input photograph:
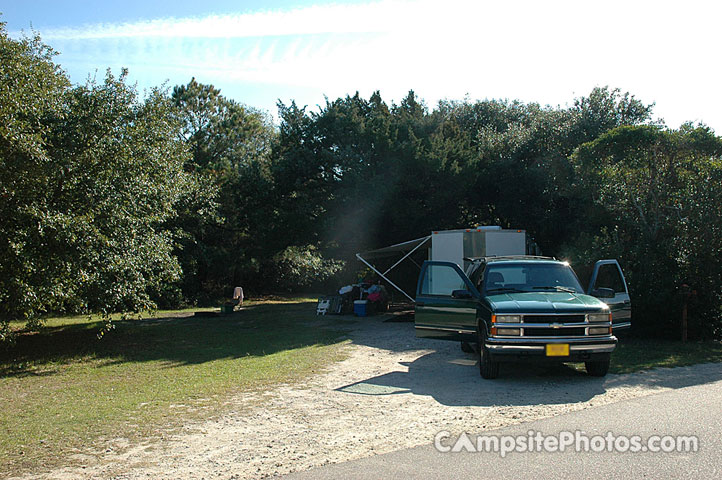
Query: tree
x,y
657,190
222,133
231,145
25,117
89,176
605,109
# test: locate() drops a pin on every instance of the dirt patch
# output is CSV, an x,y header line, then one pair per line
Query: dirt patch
x,y
393,391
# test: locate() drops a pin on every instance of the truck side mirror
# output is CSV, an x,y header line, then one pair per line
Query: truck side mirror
x,y
461,294
603,292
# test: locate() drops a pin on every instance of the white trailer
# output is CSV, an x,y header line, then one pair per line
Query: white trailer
x,y
456,245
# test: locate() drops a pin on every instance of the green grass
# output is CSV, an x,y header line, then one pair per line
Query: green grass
x,y
19,325
63,389
633,354
636,354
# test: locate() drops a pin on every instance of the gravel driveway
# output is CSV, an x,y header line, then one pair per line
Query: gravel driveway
x,y
393,391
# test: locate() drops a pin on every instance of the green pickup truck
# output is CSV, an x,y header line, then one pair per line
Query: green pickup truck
x,y
524,308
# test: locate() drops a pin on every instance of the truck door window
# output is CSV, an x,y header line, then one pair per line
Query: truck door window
x,y
478,278
609,277
441,280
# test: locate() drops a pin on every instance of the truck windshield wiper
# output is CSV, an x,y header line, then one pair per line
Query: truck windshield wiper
x,y
558,288
505,289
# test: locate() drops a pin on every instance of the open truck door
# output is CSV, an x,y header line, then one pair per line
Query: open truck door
x,y
446,303
607,283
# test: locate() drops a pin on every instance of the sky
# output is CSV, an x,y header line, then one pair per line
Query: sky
x,y
259,52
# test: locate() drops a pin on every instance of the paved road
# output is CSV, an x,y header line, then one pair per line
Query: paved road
x,y
695,410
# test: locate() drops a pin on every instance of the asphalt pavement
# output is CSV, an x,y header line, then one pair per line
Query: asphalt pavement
x,y
694,411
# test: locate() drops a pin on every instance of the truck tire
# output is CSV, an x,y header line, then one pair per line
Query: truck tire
x,y
597,369
466,347
488,369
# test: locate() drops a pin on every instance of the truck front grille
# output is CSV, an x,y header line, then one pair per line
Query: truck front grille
x,y
554,332
554,319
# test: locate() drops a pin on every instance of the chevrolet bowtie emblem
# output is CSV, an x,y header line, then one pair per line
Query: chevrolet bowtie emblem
x,y
556,325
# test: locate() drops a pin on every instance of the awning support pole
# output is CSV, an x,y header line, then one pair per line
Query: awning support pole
x,y
406,256
384,277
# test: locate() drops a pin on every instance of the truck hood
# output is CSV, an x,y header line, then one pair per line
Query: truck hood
x,y
544,302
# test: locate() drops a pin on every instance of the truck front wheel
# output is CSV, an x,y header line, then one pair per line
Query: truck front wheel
x,y
488,368
597,369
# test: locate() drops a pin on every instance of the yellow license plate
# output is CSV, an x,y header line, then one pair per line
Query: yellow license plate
x,y
558,350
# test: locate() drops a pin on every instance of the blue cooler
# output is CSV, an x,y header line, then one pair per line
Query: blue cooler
x,y
360,308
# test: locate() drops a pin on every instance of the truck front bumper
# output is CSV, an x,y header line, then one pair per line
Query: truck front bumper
x,y
580,349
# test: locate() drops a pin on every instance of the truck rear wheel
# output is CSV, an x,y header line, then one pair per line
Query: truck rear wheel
x,y
597,369
466,347
488,368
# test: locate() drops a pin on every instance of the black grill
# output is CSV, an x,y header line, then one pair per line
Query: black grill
x,y
554,319
554,332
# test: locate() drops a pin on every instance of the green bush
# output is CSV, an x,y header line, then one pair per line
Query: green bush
x,y
296,268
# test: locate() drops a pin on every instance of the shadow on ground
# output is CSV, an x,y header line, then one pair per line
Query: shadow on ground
x,y
254,331
452,377
454,380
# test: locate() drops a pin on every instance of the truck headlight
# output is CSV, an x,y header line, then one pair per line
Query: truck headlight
x,y
508,331
599,317
600,330
508,319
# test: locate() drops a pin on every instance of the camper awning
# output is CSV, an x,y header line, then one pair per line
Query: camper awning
x,y
405,248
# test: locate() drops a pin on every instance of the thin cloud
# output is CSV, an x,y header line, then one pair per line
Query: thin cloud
x,y
532,50
376,17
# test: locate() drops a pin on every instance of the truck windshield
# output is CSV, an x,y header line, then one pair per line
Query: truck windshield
x,y
529,277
